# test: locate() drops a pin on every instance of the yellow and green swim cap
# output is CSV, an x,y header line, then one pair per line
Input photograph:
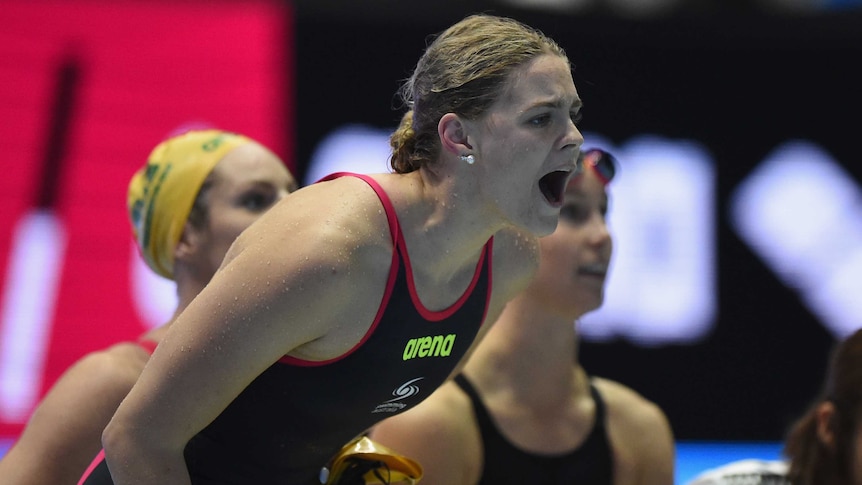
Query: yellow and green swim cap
x,y
161,194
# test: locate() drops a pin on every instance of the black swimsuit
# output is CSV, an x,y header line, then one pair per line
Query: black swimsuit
x,y
293,417
505,464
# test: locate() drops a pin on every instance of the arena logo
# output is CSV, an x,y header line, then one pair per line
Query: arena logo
x,y
436,346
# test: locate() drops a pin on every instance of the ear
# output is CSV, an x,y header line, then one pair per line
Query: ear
x,y
189,242
824,415
452,130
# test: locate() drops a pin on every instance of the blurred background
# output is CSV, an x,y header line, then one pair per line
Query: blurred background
x,y
737,210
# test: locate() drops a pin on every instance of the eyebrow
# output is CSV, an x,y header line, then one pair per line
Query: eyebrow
x,y
560,103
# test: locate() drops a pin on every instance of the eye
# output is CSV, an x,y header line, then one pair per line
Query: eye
x,y
574,213
541,120
576,117
258,200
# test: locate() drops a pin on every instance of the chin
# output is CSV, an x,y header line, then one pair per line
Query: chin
x,y
589,301
544,225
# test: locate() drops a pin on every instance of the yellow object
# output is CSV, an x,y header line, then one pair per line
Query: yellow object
x,y
362,461
161,194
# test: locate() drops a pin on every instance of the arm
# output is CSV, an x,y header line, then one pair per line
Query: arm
x,y
657,455
63,435
441,434
267,300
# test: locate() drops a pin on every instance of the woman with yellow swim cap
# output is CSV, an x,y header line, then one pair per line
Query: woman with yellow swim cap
x,y
187,205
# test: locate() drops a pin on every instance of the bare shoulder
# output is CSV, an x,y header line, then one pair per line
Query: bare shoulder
x,y
629,407
640,435
91,389
64,432
326,222
117,366
321,256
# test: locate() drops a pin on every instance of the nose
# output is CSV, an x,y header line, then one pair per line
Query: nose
x,y
600,235
572,138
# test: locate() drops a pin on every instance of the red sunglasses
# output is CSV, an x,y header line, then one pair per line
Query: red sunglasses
x,y
603,163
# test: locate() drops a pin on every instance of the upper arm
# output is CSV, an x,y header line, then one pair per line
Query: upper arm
x,y
64,433
440,434
657,451
271,297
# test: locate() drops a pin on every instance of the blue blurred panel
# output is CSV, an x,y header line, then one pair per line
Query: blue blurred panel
x,y
694,457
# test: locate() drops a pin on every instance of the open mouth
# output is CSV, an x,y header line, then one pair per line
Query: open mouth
x,y
553,186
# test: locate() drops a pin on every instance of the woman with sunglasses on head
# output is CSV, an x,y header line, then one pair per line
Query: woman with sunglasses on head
x,y
523,410
357,296
196,193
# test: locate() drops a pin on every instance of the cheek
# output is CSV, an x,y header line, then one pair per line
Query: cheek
x,y
229,228
516,148
559,253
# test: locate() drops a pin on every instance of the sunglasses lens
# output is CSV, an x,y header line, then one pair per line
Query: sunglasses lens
x,y
579,165
602,162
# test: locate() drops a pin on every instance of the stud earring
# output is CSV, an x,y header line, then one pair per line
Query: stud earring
x,y
470,159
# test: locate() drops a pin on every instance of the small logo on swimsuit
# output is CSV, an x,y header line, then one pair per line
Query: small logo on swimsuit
x,y
436,346
402,392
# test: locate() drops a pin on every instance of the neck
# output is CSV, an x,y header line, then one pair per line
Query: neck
x,y
442,220
530,350
188,286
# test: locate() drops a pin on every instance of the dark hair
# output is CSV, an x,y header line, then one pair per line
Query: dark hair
x,y
812,462
463,71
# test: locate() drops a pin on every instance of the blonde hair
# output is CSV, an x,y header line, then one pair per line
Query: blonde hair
x,y
463,71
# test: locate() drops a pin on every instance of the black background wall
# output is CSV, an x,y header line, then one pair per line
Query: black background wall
x,y
739,82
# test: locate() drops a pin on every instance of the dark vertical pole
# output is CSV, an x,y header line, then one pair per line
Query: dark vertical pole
x,y
59,127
